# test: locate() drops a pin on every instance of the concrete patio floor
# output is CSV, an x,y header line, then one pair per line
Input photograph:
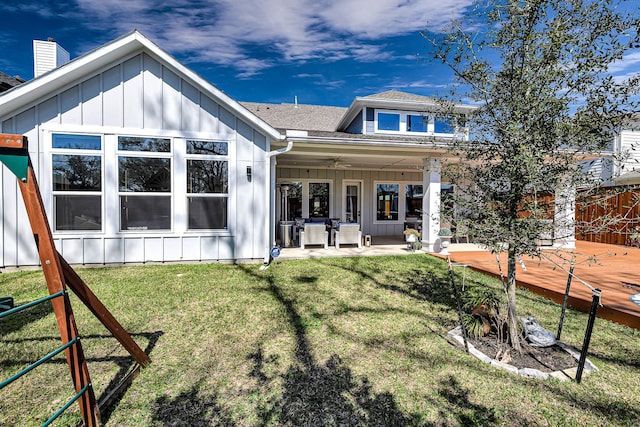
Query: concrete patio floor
x,y
615,270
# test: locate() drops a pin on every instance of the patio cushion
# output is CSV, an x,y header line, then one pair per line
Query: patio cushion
x,y
314,234
348,233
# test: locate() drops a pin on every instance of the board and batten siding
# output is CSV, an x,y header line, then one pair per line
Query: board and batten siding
x,y
369,178
630,151
138,96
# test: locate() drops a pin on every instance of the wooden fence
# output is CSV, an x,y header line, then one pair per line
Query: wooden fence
x,y
610,215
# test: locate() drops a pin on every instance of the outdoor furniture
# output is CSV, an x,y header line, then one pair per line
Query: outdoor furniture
x,y
462,231
348,234
314,234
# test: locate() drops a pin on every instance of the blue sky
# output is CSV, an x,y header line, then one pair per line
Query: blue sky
x,y
322,51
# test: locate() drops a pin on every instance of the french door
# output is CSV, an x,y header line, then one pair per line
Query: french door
x,y
352,201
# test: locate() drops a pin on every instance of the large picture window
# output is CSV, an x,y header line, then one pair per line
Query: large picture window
x,y
387,202
207,185
144,183
77,182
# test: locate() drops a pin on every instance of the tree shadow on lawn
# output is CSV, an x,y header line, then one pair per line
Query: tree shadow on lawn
x,y
616,412
430,283
188,409
15,322
108,401
323,394
330,394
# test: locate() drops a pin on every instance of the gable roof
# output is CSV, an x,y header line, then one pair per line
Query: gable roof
x,y
133,42
298,116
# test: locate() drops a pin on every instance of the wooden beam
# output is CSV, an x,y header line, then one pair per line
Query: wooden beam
x,y
89,299
54,276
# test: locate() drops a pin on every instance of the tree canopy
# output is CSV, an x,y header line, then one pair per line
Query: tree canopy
x,y
540,74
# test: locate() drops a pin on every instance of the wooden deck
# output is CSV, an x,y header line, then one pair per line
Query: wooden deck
x,y
615,270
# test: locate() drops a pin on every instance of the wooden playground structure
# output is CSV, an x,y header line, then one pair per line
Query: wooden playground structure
x,y
60,276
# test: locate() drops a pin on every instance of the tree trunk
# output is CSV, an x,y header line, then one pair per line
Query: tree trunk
x,y
512,318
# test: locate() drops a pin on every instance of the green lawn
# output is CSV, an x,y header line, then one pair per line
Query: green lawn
x,y
341,341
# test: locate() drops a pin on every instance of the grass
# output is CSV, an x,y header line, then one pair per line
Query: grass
x,y
342,341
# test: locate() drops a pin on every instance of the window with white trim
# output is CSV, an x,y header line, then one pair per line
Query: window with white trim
x,y
207,185
144,183
417,123
77,171
387,198
399,201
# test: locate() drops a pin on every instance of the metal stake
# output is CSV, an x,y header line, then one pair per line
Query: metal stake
x,y
597,293
566,299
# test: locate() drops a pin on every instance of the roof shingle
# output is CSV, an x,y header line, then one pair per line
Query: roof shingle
x,y
297,116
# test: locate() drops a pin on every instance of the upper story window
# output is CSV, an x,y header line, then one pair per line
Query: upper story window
x,y
388,121
144,183
77,170
414,123
417,123
443,124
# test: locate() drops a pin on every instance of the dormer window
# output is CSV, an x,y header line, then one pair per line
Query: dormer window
x,y
417,123
388,122
414,123
444,124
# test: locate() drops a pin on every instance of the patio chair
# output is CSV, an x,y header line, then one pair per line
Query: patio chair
x,y
348,234
314,234
462,231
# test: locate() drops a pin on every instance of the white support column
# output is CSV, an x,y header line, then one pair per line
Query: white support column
x,y
431,204
564,223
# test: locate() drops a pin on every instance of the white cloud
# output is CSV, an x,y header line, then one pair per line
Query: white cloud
x,y
251,35
630,60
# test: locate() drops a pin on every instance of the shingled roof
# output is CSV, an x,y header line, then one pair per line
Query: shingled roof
x,y
7,82
397,95
297,116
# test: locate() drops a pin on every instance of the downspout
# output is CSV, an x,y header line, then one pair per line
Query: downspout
x,y
270,227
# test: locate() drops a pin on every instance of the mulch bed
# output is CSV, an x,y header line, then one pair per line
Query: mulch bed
x,y
544,359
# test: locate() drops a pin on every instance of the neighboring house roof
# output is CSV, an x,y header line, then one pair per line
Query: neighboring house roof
x,y
7,82
27,93
297,116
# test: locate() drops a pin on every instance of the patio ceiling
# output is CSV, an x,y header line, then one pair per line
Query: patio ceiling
x,y
357,156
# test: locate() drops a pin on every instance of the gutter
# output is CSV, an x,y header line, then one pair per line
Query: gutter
x,y
269,229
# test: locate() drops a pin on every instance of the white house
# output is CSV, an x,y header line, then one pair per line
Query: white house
x,y
139,159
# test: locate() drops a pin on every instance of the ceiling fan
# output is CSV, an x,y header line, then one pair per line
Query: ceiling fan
x,y
338,164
